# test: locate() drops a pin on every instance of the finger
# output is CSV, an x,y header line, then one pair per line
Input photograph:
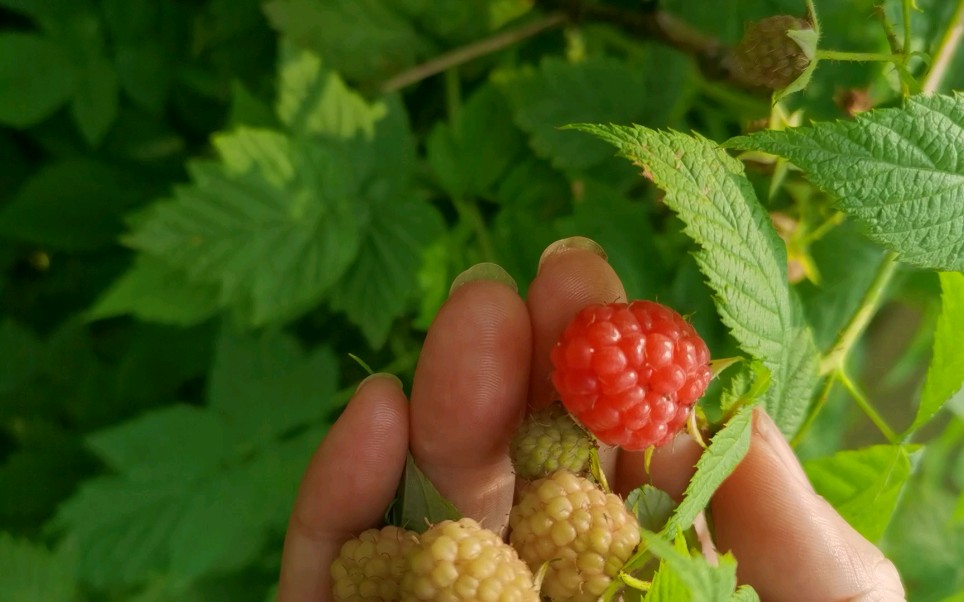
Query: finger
x,y
573,273
349,483
790,544
469,392
671,467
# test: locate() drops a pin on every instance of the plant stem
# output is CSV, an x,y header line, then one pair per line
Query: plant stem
x,y
469,213
472,51
815,410
835,357
842,55
945,50
867,407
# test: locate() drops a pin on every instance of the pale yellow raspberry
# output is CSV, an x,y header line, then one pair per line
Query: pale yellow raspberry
x,y
459,560
369,567
585,534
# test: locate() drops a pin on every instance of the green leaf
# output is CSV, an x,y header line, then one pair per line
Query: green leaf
x,y
36,77
94,103
155,292
706,583
945,375
142,449
725,452
745,593
314,100
21,351
652,507
30,573
418,504
863,485
898,172
73,204
741,255
624,228
471,155
594,90
265,384
273,225
362,39
376,288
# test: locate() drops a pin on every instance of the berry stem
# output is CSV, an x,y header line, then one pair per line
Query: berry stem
x,y
946,50
864,57
867,407
835,358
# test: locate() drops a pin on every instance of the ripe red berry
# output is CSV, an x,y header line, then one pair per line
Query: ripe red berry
x,y
630,372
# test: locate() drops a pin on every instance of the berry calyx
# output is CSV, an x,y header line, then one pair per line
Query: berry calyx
x,y
549,440
459,560
767,56
630,373
585,534
369,567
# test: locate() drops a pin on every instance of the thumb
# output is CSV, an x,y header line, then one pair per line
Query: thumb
x,y
790,544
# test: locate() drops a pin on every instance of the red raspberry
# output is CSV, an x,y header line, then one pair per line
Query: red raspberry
x,y
630,373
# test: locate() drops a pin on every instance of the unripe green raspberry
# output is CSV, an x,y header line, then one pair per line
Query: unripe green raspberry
x,y
550,440
369,567
767,56
585,534
459,560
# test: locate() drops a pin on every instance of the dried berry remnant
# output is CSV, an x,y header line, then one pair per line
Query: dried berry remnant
x,y
630,373
550,440
767,56
585,534
459,560
369,567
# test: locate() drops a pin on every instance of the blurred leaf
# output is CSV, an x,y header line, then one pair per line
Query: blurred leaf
x,y
273,225
625,230
283,386
155,292
249,110
21,352
36,77
741,255
94,104
863,485
595,90
418,504
945,375
338,29
651,506
31,573
898,172
314,100
471,154
745,593
73,204
142,449
376,288
725,452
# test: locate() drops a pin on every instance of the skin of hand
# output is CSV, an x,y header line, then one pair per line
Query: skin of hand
x,y
485,361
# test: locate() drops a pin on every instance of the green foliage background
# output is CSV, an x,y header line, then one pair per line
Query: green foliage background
x,y
206,206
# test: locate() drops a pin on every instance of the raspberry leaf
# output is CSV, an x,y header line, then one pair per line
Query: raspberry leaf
x,y
652,507
898,172
945,375
418,504
864,485
741,255
725,452
29,571
705,582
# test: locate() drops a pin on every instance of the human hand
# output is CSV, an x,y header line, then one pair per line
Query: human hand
x,y
484,361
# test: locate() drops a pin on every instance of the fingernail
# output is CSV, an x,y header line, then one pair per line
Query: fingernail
x,y
569,244
379,376
778,448
484,271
